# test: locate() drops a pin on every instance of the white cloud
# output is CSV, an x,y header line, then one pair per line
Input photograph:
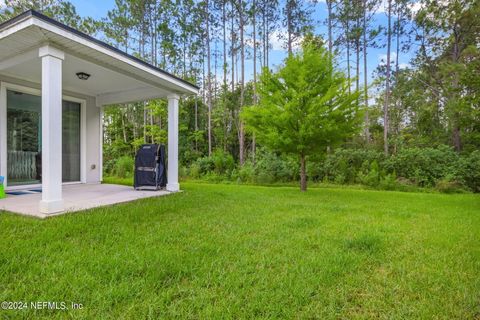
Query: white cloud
x,y
2,4
416,6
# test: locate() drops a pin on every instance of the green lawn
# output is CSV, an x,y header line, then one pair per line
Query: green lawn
x,y
227,251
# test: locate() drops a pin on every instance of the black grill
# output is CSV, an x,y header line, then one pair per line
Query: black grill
x,y
150,168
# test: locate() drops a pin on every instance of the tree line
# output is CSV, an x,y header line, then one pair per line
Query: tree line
x,y
222,46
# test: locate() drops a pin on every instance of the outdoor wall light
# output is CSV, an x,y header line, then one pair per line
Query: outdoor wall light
x,y
83,76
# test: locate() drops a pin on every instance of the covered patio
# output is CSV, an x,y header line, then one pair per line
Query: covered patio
x,y
54,82
76,197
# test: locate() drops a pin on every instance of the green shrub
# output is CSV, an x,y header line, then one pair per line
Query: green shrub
x,y
124,167
344,165
214,177
389,182
182,172
205,164
424,166
468,171
410,168
246,173
222,162
371,176
194,171
111,154
272,167
449,185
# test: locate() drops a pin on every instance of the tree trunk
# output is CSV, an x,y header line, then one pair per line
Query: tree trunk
x,y
232,34
289,27
124,130
264,34
357,47
267,42
224,22
196,123
330,36
144,122
254,72
347,39
457,142
365,73
396,126
209,94
303,173
387,80
241,141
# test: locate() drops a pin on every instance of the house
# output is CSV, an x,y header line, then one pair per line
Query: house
x,y
54,81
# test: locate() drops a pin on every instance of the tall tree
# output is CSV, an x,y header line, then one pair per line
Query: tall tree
x,y
297,22
241,138
254,25
330,25
209,75
387,79
369,34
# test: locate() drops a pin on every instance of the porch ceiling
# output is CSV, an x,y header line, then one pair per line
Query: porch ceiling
x,y
115,76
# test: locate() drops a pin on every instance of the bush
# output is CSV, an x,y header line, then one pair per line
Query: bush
x,y
439,167
423,166
371,176
245,174
124,167
468,171
345,165
195,171
223,162
449,185
389,182
271,167
182,172
205,165
111,154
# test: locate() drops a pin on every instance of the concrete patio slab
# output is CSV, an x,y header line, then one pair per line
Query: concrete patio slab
x,y
78,197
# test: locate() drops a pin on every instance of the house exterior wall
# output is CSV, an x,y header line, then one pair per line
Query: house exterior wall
x,y
90,134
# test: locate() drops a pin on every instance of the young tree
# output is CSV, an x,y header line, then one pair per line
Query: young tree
x,y
304,107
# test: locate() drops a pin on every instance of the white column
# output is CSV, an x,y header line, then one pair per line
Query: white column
x,y
172,168
3,132
51,129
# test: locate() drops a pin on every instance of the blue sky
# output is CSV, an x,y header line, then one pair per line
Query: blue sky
x,y
99,8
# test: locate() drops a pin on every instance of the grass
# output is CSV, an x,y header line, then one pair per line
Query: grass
x,y
226,251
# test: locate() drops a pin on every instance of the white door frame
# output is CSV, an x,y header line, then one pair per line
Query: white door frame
x,y
4,86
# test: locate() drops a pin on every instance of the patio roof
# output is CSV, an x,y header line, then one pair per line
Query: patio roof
x,y
49,55
116,77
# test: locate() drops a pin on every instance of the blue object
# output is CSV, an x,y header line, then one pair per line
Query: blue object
x,y
2,189
17,193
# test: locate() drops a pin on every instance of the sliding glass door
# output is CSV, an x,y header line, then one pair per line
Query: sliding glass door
x,y
71,141
24,139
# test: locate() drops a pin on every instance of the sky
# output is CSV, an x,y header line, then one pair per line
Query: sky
x,y
99,8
